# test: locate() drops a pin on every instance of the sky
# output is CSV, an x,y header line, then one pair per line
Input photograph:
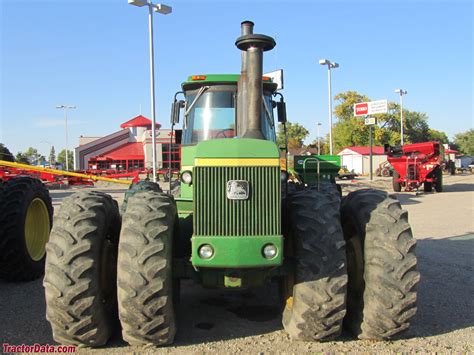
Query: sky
x,y
94,54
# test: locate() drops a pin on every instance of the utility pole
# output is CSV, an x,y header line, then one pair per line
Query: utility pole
x,y
65,108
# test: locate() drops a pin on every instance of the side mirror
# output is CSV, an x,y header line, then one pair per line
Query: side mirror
x,y
281,108
178,134
175,111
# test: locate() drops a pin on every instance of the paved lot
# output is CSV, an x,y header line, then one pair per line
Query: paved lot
x,y
218,321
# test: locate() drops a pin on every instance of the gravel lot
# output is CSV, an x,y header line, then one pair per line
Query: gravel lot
x,y
239,321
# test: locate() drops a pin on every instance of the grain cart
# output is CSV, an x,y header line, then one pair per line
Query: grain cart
x,y
415,165
230,226
26,216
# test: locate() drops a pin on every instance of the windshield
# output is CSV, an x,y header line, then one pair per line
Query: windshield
x,y
212,116
268,123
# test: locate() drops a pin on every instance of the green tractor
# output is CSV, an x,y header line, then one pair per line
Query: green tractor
x,y
235,223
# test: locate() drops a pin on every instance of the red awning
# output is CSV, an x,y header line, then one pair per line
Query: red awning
x,y
129,151
139,121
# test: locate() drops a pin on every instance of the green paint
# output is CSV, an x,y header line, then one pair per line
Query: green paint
x,y
257,215
230,281
185,205
237,252
306,166
188,152
237,148
222,79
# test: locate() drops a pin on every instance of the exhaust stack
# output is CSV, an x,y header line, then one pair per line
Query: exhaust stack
x,y
246,29
250,86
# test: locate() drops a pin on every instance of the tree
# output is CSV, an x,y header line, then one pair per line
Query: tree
x,y
22,158
30,156
5,154
323,144
465,142
62,158
351,131
437,136
296,135
52,156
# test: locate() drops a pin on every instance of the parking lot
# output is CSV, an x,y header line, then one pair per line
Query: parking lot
x,y
249,321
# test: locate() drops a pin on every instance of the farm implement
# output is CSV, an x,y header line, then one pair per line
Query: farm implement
x,y
415,165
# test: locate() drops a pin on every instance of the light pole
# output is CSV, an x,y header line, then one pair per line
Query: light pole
x,y
317,128
330,65
165,10
65,108
401,92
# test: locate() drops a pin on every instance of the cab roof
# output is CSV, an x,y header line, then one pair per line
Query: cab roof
x,y
195,81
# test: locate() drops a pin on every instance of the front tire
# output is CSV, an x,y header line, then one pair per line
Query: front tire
x,y
145,280
381,265
316,293
26,218
81,263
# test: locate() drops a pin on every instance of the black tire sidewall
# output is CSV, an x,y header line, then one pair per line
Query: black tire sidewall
x,y
25,267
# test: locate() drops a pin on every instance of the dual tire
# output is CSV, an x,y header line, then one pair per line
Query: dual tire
x,y
376,244
381,260
26,216
90,275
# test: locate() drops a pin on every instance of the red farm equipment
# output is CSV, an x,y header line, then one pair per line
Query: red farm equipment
x,y
414,165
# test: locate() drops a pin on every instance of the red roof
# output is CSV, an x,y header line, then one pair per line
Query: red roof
x,y
139,121
366,150
127,151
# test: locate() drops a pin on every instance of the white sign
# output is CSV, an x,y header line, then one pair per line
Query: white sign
x,y
370,121
277,77
370,108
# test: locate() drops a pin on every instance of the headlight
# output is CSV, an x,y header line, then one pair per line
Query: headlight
x,y
205,251
269,251
187,177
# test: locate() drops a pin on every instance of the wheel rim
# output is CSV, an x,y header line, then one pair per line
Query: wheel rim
x,y
37,226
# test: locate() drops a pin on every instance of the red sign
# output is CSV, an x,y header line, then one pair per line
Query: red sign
x,y
361,109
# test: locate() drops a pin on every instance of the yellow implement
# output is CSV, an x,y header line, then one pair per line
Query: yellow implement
x,y
61,172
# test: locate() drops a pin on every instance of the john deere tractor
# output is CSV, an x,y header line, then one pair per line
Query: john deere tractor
x,y
235,223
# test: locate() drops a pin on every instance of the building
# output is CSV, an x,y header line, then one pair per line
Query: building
x,y
128,149
357,159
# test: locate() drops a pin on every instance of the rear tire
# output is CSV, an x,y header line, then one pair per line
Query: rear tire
x,y
427,186
26,217
145,280
81,263
397,186
316,293
140,186
381,261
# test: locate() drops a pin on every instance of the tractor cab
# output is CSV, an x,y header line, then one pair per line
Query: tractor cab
x,y
210,108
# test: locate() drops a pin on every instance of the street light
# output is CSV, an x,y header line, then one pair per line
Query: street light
x,y
317,128
401,92
65,108
165,10
330,65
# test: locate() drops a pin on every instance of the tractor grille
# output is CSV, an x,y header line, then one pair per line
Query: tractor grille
x,y
215,214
